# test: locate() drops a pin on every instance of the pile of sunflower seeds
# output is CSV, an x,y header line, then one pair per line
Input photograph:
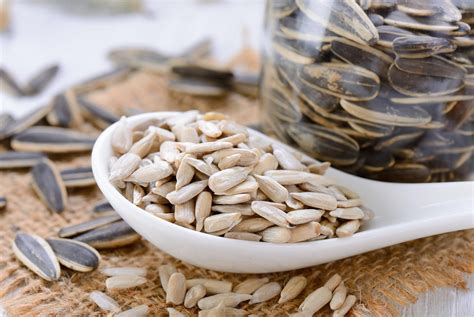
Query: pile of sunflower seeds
x,y
220,298
206,173
383,89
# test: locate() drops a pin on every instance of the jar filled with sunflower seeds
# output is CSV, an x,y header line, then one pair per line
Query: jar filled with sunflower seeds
x,y
380,88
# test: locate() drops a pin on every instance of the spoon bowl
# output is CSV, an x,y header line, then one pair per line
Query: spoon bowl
x,y
403,212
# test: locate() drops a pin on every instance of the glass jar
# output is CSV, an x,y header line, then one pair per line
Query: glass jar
x,y
383,89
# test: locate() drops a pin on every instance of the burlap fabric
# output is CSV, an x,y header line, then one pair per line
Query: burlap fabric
x,y
382,280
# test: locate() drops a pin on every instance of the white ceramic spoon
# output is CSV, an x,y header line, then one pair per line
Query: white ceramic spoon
x,y
403,212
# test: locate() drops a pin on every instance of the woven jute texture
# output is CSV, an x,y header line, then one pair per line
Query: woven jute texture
x,y
382,280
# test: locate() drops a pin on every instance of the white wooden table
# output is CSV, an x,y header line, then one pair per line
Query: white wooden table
x,y
42,35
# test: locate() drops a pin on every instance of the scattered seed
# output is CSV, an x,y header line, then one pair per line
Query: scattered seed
x,y
137,311
104,301
12,159
37,255
212,286
165,272
51,140
227,299
338,297
193,295
265,293
116,271
344,309
75,255
293,288
124,281
49,186
316,300
78,177
114,235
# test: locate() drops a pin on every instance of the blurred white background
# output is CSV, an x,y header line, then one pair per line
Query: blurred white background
x,y
41,34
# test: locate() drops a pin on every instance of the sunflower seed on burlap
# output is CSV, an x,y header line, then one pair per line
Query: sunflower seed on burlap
x,y
338,297
48,185
124,281
316,300
103,208
293,288
193,295
222,310
37,255
176,289
104,301
212,286
77,229
26,121
250,285
96,114
165,272
344,309
137,311
113,235
116,271
265,293
78,177
64,112
3,202
75,255
227,299
13,159
51,140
